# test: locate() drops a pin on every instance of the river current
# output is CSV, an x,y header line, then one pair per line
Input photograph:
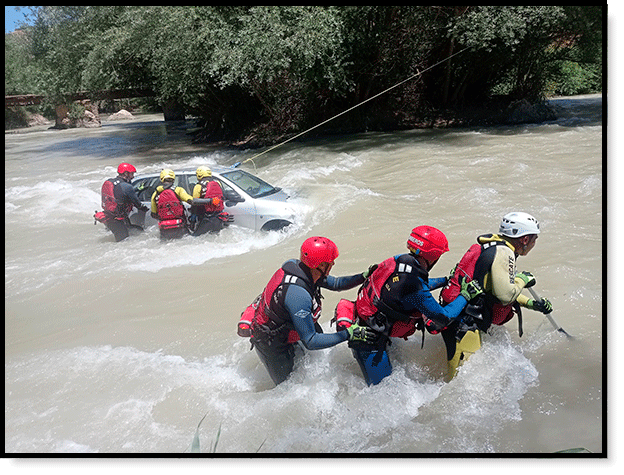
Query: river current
x,y
124,347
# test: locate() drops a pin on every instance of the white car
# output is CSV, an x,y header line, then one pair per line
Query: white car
x,y
251,201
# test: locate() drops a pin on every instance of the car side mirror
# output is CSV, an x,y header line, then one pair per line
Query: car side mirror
x,y
232,197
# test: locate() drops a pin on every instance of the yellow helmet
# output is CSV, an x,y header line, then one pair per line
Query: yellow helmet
x,y
203,172
167,174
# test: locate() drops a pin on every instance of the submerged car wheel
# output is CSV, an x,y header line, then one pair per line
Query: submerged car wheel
x,y
275,225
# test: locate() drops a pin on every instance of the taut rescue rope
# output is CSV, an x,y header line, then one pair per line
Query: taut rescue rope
x,y
354,107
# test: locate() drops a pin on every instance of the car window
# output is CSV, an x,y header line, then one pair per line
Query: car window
x,y
192,181
182,180
145,187
252,185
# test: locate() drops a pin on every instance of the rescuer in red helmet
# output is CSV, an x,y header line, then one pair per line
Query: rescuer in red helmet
x,y
396,300
118,199
288,309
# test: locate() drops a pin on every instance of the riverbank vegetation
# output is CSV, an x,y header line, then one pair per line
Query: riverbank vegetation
x,y
259,74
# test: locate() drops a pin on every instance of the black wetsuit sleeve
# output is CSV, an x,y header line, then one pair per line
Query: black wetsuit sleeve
x,y
129,195
342,283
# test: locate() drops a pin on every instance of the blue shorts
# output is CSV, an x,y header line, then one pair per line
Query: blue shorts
x,y
375,365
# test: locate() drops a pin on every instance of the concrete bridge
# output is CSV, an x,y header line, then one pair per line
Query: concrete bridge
x,y
171,109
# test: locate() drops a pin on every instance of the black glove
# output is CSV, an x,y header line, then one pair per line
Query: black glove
x,y
542,305
434,327
367,273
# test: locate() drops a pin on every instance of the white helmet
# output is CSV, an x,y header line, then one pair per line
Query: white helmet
x,y
518,224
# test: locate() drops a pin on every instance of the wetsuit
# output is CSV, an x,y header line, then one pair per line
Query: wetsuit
x,y
405,301
296,308
492,262
126,198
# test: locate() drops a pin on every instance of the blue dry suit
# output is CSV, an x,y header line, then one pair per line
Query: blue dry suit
x,y
373,359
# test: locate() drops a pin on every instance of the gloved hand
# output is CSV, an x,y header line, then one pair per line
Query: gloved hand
x,y
434,327
542,305
527,278
366,274
359,333
469,290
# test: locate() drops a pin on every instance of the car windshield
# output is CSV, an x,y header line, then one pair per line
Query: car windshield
x,y
253,186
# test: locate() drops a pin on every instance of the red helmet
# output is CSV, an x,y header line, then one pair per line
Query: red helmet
x,y
428,242
316,250
125,167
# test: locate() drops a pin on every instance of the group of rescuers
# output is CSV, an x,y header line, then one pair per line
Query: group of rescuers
x,y
206,213
394,299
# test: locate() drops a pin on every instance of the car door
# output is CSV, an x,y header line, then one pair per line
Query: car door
x,y
144,188
238,204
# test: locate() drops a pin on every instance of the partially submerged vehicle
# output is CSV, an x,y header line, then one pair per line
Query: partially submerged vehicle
x,y
251,201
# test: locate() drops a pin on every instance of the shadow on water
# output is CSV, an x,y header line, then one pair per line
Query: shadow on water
x,y
153,138
156,138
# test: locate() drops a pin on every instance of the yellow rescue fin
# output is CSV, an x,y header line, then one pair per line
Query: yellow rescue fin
x,y
469,344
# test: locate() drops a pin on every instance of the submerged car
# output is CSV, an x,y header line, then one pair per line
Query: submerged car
x,y
250,200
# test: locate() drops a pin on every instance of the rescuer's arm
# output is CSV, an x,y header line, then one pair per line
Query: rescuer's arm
x,y
299,305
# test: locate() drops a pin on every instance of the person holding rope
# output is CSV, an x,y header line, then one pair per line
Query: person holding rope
x,y
492,263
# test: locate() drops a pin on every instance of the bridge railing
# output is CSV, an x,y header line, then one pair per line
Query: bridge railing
x,y
34,99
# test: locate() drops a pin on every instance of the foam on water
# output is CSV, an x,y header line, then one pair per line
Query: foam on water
x,y
127,400
124,347
64,207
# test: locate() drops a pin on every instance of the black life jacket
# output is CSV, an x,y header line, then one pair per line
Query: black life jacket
x,y
379,299
270,317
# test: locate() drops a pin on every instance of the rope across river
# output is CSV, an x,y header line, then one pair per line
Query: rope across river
x,y
351,108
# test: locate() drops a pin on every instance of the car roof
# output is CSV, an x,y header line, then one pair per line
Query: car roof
x,y
186,171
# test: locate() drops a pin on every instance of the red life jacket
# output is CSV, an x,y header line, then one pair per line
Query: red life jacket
x,y
211,190
475,264
170,209
110,205
379,298
267,315
168,205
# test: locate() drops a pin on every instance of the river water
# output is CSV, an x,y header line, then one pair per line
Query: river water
x,y
124,347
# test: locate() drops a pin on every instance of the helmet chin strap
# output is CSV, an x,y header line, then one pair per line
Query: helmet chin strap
x,y
322,273
427,264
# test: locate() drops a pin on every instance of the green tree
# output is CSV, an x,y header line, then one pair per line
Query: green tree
x,y
277,70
